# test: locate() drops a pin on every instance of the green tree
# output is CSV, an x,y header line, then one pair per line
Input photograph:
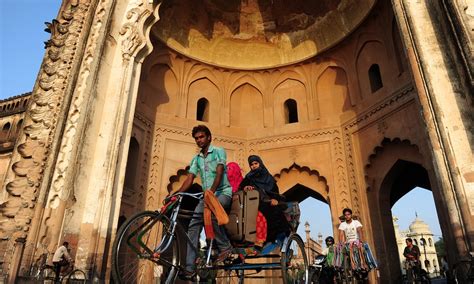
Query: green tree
x,y
439,245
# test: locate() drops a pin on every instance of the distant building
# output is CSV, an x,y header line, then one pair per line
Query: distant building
x,y
353,103
313,248
12,112
422,236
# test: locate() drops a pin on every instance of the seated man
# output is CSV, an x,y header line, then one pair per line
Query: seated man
x,y
210,165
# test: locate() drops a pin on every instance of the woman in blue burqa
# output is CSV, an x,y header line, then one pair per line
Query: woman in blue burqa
x,y
271,202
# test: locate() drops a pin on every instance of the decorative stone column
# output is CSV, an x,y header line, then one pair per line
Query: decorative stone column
x,y
446,102
67,171
15,263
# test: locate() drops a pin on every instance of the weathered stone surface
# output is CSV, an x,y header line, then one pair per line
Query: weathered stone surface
x,y
107,128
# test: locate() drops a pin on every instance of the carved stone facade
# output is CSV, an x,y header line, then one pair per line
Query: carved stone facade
x,y
107,128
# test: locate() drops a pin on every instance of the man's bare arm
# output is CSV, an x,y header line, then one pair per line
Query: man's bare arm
x,y
187,183
218,179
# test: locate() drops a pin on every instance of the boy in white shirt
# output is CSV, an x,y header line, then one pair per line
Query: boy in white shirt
x,y
350,230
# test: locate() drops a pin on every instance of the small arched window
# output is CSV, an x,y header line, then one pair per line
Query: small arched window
x,y
291,111
430,242
24,103
6,127
375,78
202,110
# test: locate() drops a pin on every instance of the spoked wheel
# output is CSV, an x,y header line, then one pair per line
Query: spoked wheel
x,y
144,252
76,276
294,262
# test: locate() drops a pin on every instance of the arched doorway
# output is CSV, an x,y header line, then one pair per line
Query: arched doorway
x,y
395,169
415,217
316,225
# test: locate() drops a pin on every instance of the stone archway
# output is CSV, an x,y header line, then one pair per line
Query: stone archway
x,y
395,168
297,183
304,178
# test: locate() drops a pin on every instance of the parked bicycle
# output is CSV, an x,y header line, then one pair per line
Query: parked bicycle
x,y
463,271
149,247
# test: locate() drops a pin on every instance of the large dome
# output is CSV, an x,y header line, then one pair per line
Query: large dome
x,y
257,34
419,226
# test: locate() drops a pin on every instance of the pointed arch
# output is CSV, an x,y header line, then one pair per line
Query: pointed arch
x,y
241,82
394,168
293,92
304,176
175,181
246,107
204,74
332,92
288,75
371,52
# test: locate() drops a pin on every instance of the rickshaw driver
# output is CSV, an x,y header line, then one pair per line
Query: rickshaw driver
x,y
210,164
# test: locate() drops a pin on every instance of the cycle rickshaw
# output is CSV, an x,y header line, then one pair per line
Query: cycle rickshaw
x,y
149,248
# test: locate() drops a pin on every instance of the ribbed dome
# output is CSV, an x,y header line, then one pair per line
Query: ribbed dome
x,y
419,226
257,34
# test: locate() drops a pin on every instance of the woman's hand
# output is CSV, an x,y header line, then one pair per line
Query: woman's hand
x,y
248,188
273,202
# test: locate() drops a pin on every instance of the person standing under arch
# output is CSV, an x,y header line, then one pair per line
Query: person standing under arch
x,y
350,230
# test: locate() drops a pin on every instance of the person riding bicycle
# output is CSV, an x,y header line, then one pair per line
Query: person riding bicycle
x,y
61,258
412,255
352,236
350,230
328,251
210,165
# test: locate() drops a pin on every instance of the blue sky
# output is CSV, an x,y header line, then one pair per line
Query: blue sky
x,y
21,52
21,43
318,215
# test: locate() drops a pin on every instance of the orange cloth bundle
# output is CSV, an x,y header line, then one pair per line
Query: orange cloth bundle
x,y
212,205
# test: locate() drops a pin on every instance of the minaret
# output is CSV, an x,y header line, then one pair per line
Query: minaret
x,y
320,238
308,243
306,225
